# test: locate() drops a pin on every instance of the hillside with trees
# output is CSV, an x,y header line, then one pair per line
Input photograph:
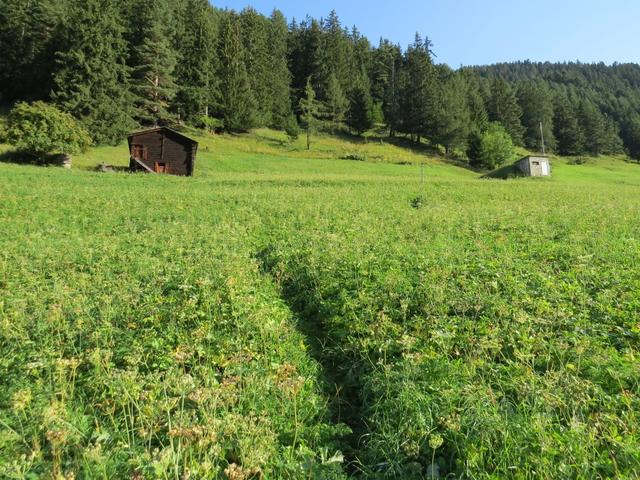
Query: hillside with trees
x,y
187,62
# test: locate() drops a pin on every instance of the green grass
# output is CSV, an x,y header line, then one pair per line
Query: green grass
x,y
284,305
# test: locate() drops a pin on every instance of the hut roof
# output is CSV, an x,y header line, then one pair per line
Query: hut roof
x,y
162,129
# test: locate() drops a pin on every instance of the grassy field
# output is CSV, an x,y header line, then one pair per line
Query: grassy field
x,y
292,314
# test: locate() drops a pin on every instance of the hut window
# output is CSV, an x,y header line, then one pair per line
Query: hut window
x,y
161,168
536,163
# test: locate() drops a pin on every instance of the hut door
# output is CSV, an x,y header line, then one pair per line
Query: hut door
x,y
545,169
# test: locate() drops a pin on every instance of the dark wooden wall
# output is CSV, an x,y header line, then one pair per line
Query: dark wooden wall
x,y
174,151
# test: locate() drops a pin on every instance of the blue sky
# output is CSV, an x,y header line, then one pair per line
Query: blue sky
x,y
472,32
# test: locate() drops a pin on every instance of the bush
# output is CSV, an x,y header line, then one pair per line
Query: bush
x,y
292,128
40,129
210,124
491,148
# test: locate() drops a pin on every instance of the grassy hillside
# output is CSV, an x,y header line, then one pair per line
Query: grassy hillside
x,y
291,314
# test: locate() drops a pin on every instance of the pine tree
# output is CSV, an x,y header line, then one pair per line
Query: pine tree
x,y
631,135
279,81
504,108
595,128
478,116
310,110
418,89
154,63
92,79
29,34
453,117
196,70
567,131
238,104
536,103
361,113
336,103
258,62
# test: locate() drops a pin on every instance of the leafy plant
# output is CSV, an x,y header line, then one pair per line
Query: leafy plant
x,y
491,148
40,129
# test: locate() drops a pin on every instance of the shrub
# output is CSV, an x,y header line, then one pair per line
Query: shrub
x,y
491,148
292,128
210,124
40,129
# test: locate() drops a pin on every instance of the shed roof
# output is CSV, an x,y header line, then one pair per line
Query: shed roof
x,y
162,129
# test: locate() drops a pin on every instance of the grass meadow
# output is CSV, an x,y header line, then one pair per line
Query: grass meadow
x,y
292,314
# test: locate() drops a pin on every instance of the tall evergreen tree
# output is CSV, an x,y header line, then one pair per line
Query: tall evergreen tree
x,y
196,70
92,81
453,116
310,110
504,108
536,103
29,34
258,60
600,132
631,135
361,113
567,131
154,63
279,80
336,103
418,89
238,104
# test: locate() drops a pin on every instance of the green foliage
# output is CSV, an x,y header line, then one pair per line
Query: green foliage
x,y
336,104
40,129
92,80
152,80
310,111
536,102
418,86
503,108
453,115
209,124
567,130
279,78
197,62
361,109
491,148
239,106
29,36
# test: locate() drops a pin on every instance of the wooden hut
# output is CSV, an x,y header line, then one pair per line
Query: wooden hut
x,y
535,166
162,150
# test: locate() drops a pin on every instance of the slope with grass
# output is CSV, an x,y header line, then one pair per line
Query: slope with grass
x,y
293,314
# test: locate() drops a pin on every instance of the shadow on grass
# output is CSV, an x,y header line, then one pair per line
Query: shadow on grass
x,y
340,378
23,158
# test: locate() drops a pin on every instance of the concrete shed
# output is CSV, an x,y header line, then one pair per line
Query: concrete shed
x,y
535,166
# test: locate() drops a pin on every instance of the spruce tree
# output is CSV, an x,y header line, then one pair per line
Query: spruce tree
x,y
29,34
504,108
238,104
259,61
279,80
600,133
453,116
154,62
336,103
196,70
92,81
536,104
567,131
310,110
361,112
418,90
